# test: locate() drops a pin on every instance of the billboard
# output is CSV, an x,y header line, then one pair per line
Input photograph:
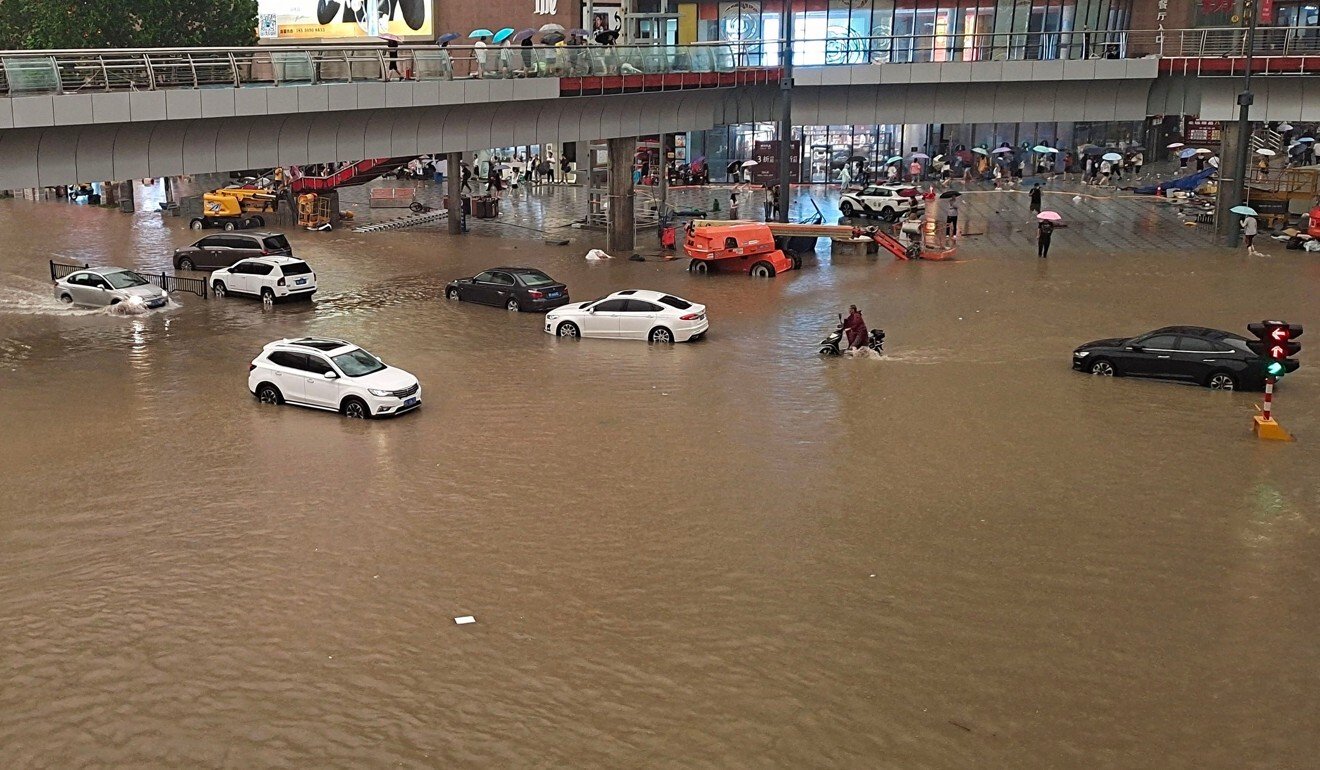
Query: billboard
x,y
339,19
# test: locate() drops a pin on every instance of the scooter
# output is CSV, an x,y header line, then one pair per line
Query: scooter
x,y
835,343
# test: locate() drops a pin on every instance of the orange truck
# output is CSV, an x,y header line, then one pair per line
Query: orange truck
x,y
733,246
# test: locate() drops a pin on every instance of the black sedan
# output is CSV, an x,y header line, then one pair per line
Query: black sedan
x,y
512,288
1216,359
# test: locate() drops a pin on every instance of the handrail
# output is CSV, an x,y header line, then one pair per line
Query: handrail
x,y
79,71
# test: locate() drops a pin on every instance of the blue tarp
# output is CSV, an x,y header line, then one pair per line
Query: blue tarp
x,y
1188,183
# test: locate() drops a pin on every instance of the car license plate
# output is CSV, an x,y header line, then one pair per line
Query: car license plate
x,y
301,281
553,294
410,402
156,303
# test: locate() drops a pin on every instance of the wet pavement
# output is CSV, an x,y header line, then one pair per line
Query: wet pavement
x,y
726,553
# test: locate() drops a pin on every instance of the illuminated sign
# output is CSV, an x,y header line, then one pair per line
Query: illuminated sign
x,y
338,19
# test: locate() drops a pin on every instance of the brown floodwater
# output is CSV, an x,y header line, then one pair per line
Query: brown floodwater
x,y
725,554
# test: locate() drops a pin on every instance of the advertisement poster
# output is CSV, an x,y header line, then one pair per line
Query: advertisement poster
x,y
766,170
339,19
1203,132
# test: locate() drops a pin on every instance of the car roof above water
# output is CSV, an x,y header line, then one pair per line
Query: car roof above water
x,y
323,344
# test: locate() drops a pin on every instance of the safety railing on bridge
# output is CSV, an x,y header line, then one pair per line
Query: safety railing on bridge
x,y
80,71
83,71
170,283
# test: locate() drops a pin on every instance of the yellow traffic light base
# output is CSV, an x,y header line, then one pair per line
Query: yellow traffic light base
x,y
1269,430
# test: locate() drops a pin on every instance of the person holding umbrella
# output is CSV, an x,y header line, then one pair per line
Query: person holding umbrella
x,y
1046,221
479,50
1035,198
951,214
1249,228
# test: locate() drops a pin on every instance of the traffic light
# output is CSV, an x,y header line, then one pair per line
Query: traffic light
x,y
1275,345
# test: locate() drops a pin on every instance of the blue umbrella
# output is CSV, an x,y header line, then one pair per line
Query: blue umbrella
x,y
894,159
1245,211
480,33
448,36
1043,149
503,34
1187,153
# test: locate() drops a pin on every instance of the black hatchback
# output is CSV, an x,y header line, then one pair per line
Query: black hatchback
x,y
1216,359
513,288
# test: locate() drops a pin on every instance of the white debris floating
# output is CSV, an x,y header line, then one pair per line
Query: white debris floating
x,y
463,620
596,255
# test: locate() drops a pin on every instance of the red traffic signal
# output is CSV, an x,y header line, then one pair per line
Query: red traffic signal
x,y
1275,343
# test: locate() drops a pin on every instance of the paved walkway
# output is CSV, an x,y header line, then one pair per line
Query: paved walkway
x,y
993,221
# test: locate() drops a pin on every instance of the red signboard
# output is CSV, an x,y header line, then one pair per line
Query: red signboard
x,y
1266,11
1203,132
766,170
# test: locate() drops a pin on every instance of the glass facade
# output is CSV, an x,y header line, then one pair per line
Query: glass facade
x,y
903,31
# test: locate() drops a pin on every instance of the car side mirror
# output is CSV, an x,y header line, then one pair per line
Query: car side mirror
x,y
330,376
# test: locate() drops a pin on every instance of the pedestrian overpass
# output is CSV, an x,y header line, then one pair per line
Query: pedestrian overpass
x,y
67,116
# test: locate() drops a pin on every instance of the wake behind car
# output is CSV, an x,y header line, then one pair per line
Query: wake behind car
x,y
224,250
104,286
512,288
632,314
269,278
331,374
1216,359
886,201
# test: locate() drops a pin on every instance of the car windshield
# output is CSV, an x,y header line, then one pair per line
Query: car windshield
x,y
675,302
536,279
356,363
125,279
594,302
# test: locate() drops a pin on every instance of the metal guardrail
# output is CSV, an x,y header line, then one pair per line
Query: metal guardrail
x,y
170,283
81,71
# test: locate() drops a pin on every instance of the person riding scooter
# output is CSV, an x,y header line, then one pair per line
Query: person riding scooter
x,y
855,327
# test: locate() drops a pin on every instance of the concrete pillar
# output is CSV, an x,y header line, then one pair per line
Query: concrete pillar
x,y
453,177
663,170
126,202
620,230
1231,190
583,154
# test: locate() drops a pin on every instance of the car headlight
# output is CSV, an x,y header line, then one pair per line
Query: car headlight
x,y
380,393
1081,353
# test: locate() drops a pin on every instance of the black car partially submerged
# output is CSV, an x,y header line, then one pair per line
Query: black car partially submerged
x,y
1216,359
513,288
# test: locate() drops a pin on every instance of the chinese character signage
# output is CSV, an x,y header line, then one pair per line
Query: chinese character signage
x,y
338,19
1203,132
766,170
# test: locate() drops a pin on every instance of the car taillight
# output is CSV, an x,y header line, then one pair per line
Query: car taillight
x,y
280,282
689,317
534,294
251,367
265,253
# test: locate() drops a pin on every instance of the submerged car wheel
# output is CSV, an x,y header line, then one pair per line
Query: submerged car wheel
x,y
267,297
1221,381
826,350
888,214
763,270
1101,367
512,305
218,288
356,409
451,294
568,329
187,264
197,224
699,266
269,394
66,299
661,335
846,208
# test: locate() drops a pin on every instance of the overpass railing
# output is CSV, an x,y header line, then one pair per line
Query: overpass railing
x,y
83,71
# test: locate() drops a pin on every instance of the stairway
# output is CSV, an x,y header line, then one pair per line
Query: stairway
x,y
357,173
424,218
1267,138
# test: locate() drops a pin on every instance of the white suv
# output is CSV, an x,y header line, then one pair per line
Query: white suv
x,y
331,374
886,201
270,278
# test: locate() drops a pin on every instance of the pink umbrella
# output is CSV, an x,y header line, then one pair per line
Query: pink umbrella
x,y
1049,216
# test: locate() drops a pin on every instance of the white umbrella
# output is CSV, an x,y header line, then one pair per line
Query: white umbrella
x,y
1043,149
1285,127
1001,150
1176,145
1267,152
1203,151
1111,157
1306,139
980,151
1214,162
750,163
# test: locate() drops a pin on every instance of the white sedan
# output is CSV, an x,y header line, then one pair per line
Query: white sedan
x,y
632,314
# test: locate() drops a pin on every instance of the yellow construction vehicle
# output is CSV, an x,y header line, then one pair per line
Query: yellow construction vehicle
x,y
234,208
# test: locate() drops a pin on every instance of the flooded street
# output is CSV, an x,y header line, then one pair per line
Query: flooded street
x,y
730,553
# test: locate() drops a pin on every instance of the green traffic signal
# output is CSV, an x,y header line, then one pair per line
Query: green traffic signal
x,y
1275,369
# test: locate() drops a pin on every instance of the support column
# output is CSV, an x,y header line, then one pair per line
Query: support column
x,y
453,178
1231,188
620,229
126,202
